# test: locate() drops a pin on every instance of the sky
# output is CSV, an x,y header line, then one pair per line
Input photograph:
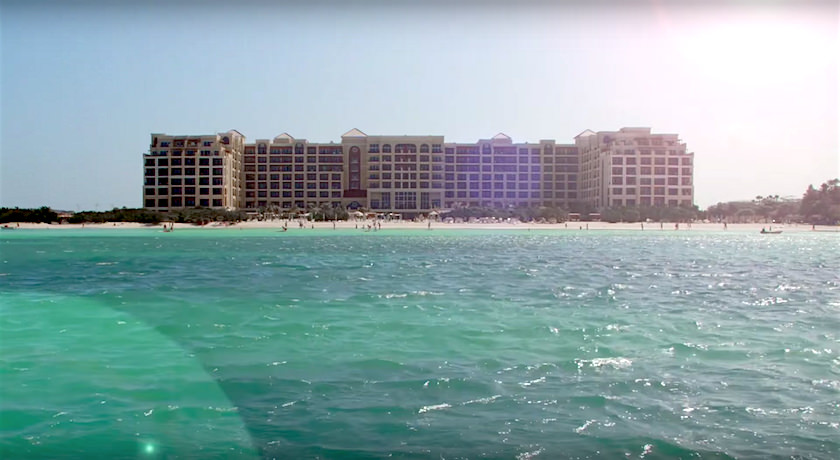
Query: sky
x,y
751,87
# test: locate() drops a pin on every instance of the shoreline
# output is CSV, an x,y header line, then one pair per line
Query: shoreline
x,y
361,225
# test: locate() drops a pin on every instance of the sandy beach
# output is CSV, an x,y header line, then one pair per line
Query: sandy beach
x,y
295,226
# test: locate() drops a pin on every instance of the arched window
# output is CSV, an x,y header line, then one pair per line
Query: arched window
x,y
405,148
424,148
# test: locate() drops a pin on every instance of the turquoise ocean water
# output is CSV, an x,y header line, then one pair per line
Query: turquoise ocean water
x,y
419,344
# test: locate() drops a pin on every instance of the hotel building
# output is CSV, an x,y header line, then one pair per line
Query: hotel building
x,y
413,174
633,167
189,171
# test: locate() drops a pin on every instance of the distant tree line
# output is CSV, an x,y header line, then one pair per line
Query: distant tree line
x,y
202,216
822,206
140,215
42,214
817,206
767,209
651,213
198,216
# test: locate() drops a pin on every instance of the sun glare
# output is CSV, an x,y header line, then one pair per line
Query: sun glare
x,y
754,51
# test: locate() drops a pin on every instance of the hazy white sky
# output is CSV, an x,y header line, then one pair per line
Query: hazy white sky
x,y
751,87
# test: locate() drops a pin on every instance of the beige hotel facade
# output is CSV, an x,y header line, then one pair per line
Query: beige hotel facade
x,y
414,175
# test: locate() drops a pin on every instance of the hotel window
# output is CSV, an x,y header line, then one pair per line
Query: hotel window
x,y
204,162
386,148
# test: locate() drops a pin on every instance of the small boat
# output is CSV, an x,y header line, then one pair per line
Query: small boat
x,y
770,232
